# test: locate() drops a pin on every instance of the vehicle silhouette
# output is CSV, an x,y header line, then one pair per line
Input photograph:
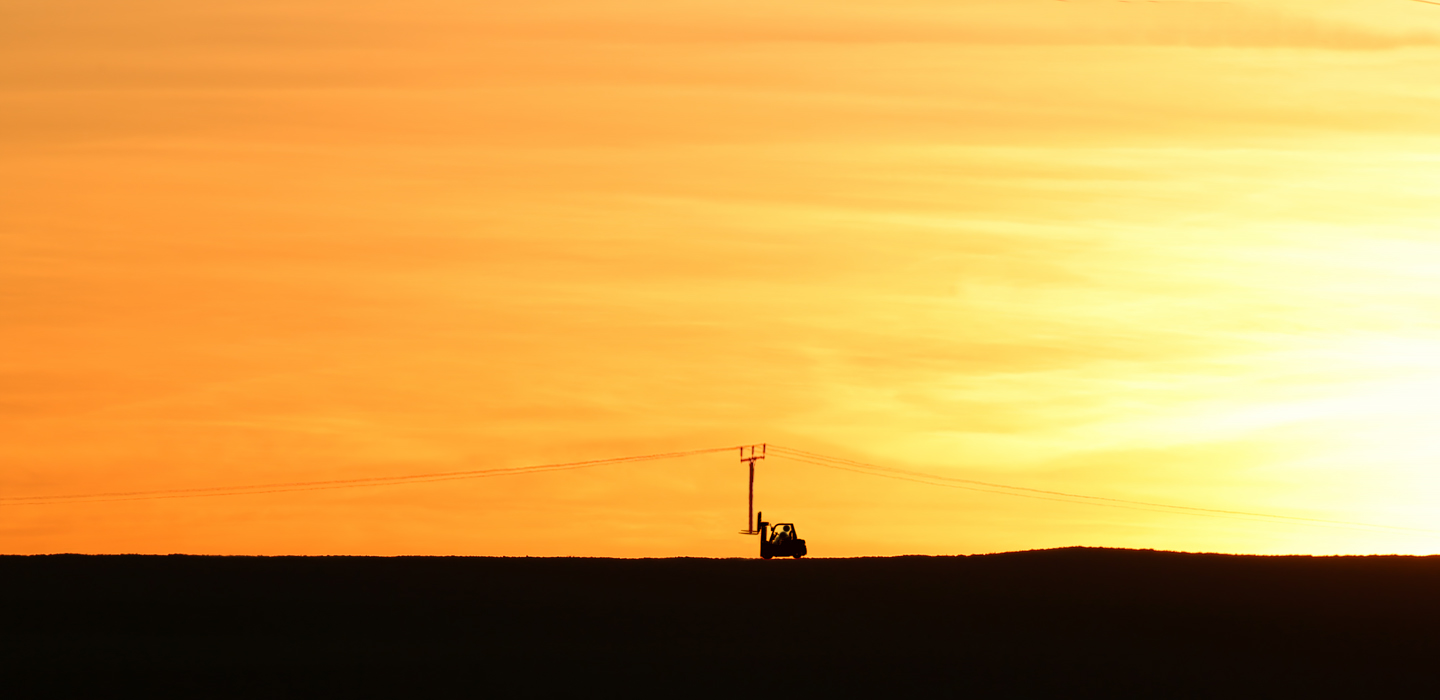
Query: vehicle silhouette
x,y
779,541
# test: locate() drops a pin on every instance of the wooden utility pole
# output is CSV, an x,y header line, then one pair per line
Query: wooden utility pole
x,y
750,517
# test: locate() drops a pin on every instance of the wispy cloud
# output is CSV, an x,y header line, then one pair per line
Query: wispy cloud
x,y
279,241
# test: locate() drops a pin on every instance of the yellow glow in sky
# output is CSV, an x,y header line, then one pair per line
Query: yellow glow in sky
x,y
1171,252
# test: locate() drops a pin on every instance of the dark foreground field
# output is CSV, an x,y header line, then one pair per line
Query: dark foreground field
x,y
1060,622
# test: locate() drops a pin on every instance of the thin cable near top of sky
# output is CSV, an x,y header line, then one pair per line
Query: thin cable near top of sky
x,y
1022,491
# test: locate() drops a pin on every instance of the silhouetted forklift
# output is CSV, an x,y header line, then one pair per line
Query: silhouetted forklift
x,y
779,540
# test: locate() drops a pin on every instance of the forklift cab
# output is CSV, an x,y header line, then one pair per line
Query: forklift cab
x,y
780,541
782,533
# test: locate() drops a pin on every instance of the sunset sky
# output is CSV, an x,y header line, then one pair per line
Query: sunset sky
x,y
1173,252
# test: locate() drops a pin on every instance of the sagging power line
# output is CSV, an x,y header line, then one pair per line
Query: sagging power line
x,y
843,464
752,527
284,487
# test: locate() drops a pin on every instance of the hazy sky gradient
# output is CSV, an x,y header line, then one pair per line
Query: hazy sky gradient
x,y
1181,252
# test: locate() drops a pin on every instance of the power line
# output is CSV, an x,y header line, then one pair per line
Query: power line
x,y
1257,519
797,455
284,487
843,464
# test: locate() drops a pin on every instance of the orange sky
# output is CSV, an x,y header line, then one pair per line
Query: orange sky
x,y
1177,251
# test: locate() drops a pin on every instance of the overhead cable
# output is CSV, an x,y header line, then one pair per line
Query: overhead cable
x,y
844,464
282,487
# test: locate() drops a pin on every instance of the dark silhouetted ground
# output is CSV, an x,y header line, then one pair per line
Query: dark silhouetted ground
x,y
1063,623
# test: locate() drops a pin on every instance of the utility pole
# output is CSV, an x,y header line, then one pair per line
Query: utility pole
x,y
750,518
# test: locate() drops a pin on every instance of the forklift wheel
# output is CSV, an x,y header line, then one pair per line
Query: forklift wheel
x,y
797,556
766,556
